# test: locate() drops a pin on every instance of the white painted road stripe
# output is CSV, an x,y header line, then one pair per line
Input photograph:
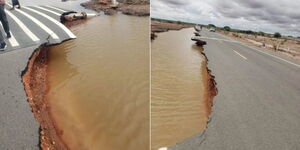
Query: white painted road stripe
x,y
23,27
255,50
44,27
203,37
163,148
13,42
240,54
55,13
272,55
63,27
56,8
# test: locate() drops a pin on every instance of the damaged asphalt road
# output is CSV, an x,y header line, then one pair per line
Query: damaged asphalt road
x,y
31,27
258,101
18,127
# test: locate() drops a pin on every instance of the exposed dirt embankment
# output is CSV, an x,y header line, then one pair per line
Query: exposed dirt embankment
x,y
36,87
209,84
157,26
128,7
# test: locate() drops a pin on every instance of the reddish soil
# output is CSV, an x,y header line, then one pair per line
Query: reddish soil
x,y
210,86
157,26
138,9
36,87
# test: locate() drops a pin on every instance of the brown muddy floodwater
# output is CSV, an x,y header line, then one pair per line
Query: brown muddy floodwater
x,y
99,85
178,107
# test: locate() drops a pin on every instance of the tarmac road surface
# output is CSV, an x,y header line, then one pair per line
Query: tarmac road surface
x,y
30,27
258,103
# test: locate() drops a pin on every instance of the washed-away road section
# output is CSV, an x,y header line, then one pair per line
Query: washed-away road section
x,y
30,27
258,101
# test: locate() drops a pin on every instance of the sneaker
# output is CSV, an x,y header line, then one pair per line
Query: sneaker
x,y
8,35
3,46
19,7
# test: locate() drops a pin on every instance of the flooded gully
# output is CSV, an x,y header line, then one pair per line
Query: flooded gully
x,y
180,82
95,89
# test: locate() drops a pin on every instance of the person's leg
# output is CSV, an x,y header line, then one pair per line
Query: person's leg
x,y
18,3
2,43
13,4
4,21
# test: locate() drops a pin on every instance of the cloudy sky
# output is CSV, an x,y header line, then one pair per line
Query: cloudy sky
x,y
260,15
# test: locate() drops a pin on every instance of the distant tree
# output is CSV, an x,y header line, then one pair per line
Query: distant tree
x,y
227,28
261,33
211,25
277,35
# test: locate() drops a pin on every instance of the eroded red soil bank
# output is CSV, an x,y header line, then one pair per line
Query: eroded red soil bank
x,y
210,85
36,87
127,7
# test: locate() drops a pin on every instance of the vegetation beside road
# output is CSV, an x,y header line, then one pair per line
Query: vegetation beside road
x,y
289,45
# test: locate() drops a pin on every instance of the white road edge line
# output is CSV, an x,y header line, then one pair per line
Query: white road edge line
x,y
44,27
255,50
163,148
23,27
272,55
13,42
55,13
56,8
218,39
63,27
240,54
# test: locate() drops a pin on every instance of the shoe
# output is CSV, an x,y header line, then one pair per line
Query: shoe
x,y
19,7
3,46
8,35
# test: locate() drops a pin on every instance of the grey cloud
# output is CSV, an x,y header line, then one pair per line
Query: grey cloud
x,y
175,2
269,14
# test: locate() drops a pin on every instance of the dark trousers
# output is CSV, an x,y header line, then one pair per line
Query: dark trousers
x,y
3,19
15,2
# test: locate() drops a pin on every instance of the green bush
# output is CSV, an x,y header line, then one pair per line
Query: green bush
x,y
211,25
277,35
227,28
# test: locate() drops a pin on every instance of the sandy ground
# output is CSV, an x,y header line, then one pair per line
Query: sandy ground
x,y
139,9
286,46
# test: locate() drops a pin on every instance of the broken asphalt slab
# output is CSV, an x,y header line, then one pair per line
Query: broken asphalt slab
x,y
18,127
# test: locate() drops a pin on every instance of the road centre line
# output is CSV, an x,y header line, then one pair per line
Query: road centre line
x,y
44,27
31,35
297,65
55,13
240,54
63,27
272,56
